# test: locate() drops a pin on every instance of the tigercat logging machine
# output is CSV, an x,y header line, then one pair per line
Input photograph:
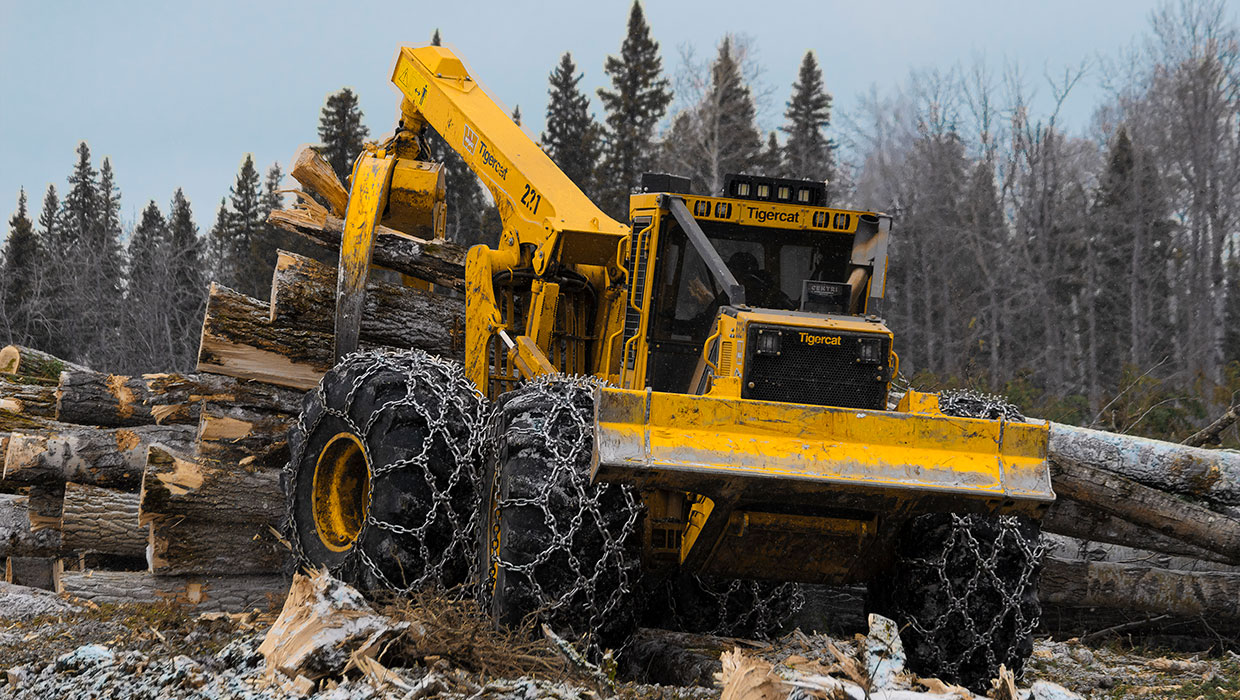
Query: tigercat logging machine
x,y
742,380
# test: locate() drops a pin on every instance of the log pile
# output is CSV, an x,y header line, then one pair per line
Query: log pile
x,y
177,476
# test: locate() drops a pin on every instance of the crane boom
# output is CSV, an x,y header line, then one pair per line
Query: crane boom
x,y
536,200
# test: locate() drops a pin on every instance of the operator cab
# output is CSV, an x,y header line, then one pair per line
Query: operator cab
x,y
793,261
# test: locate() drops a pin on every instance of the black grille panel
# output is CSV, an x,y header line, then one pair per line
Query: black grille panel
x,y
811,369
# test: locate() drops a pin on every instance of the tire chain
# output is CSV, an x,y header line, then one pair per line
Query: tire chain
x,y
759,608
461,401
558,396
986,578
965,552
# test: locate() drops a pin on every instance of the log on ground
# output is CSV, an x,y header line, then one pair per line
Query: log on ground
x,y
17,539
1212,475
303,295
1072,519
440,262
36,572
207,593
176,486
102,520
180,546
112,457
1147,507
28,396
16,359
230,433
95,398
1138,589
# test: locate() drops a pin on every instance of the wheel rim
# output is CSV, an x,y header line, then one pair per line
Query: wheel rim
x,y
340,492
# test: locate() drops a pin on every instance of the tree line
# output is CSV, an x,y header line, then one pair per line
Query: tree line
x,y
1088,274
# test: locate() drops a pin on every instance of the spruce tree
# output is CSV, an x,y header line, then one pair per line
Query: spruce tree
x,y
148,331
219,245
773,157
638,99
571,138
188,293
249,273
80,209
148,255
106,248
19,279
808,152
516,115
341,132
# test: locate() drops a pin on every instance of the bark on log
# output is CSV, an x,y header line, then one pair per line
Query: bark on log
x,y
1150,508
44,506
36,572
440,262
102,520
316,174
238,341
207,593
114,457
228,433
180,546
178,486
15,359
17,539
94,398
28,396
1147,589
1213,475
1073,548
11,422
1072,519
303,295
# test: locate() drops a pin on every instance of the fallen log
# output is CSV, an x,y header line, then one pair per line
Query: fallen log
x,y
1147,507
181,487
180,546
1073,548
1084,584
11,422
95,398
303,295
1209,435
36,572
44,506
1211,475
17,539
101,520
440,262
238,341
28,396
15,359
215,593
1072,519
113,457
229,433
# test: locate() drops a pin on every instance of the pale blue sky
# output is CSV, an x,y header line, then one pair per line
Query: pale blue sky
x,y
177,92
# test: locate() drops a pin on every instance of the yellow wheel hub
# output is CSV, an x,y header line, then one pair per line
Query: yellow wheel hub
x,y
341,491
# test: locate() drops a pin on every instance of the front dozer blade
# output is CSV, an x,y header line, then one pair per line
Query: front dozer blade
x,y
816,483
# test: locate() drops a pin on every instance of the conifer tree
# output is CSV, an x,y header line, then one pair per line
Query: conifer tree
x,y
148,331
341,132
188,293
516,115
148,254
571,138
718,135
638,99
80,209
808,151
106,247
19,279
218,244
244,234
773,157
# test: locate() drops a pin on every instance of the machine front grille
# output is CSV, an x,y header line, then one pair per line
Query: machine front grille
x,y
811,367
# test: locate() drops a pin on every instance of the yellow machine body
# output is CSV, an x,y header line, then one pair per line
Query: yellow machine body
x,y
746,398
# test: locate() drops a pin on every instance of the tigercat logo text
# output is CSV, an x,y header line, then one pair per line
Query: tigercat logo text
x,y
820,339
765,215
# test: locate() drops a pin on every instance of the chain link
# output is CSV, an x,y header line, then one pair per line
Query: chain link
x,y
447,408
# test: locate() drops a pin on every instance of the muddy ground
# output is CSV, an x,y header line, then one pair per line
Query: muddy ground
x,y
56,648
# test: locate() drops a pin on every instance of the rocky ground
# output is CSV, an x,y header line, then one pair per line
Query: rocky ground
x,y
57,648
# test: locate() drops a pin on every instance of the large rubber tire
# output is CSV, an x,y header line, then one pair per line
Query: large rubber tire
x,y
554,547
416,420
964,592
727,607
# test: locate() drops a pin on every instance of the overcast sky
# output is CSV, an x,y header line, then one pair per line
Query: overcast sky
x,y
177,92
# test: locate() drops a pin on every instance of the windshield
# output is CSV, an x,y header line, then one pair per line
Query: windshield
x,y
770,263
